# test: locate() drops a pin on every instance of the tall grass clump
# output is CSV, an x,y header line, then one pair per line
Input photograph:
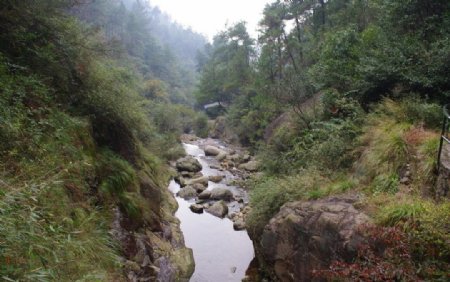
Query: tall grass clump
x,y
49,228
396,139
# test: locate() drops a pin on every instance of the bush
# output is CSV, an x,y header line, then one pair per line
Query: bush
x,y
384,256
426,223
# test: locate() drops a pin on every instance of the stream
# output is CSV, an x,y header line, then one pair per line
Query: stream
x,y
220,252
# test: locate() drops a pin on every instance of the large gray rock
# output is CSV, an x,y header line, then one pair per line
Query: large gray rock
x,y
221,194
212,150
199,180
199,187
189,164
219,209
187,193
205,195
305,236
251,166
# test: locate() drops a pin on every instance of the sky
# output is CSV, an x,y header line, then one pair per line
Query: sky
x,y
208,17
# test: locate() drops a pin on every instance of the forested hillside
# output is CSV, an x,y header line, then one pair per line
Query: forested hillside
x,y
342,98
335,107
90,112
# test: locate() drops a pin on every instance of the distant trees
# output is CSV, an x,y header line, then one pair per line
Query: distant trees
x,y
160,48
228,66
362,50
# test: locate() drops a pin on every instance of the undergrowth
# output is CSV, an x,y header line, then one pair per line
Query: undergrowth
x,y
390,159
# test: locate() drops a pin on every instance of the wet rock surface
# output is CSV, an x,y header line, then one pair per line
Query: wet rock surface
x,y
187,193
197,208
221,194
188,164
219,209
305,236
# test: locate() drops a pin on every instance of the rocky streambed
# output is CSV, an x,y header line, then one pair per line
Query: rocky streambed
x,y
212,208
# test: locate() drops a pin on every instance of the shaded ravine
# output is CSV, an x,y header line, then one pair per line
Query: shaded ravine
x,y
220,252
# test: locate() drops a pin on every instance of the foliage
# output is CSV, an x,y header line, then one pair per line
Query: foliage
x,y
327,144
163,51
47,218
426,223
228,66
394,134
385,255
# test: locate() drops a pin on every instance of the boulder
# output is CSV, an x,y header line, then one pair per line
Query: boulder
x,y
196,208
214,166
239,224
236,158
182,181
212,151
221,194
251,166
187,193
189,164
307,236
219,209
199,187
216,178
187,174
221,156
205,195
199,180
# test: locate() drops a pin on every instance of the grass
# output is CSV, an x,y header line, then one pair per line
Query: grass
x,y
49,229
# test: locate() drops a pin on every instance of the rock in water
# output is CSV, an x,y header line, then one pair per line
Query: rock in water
x,y
221,156
199,180
189,164
221,194
205,195
187,193
219,209
239,224
212,151
251,166
216,178
196,208
199,187
305,236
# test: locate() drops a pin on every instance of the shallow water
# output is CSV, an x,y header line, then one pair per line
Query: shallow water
x,y
220,253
